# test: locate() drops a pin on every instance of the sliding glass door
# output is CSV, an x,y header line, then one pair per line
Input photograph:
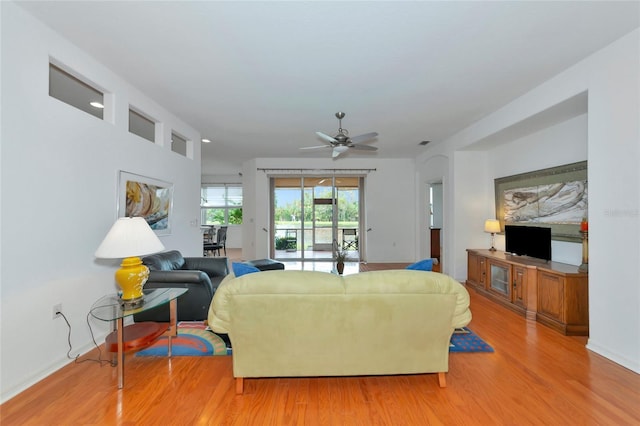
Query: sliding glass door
x,y
323,218
312,213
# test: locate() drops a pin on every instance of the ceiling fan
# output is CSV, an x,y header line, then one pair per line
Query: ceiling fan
x,y
342,142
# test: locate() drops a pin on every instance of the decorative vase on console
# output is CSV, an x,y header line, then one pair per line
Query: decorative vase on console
x,y
340,256
584,232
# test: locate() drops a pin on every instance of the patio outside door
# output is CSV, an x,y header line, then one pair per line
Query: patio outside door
x,y
324,216
310,213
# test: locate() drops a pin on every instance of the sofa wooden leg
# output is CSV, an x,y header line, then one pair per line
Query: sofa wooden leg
x,y
239,385
442,380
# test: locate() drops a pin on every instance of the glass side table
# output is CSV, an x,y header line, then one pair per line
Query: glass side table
x,y
139,335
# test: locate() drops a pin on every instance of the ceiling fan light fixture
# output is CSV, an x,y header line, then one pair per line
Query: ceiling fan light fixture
x,y
338,150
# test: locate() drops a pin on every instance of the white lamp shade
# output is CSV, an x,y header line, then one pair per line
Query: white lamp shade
x,y
128,237
492,226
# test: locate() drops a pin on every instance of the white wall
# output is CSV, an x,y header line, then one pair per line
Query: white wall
x,y
610,77
614,209
470,207
389,197
59,186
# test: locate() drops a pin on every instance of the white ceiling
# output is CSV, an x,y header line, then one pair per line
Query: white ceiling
x,y
260,78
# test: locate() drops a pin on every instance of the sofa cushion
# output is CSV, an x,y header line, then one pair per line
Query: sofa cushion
x,y
215,267
412,282
240,269
423,265
319,284
167,261
270,282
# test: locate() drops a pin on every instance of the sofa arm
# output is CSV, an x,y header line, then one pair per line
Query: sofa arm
x,y
212,266
179,276
198,283
192,306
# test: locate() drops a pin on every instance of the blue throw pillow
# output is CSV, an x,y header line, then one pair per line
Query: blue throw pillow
x,y
423,265
240,269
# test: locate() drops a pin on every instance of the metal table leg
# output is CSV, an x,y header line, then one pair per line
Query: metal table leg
x,y
173,330
120,360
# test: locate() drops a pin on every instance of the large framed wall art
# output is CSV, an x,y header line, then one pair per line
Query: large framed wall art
x,y
556,197
141,196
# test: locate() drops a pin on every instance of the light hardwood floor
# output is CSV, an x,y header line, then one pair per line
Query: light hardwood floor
x,y
535,377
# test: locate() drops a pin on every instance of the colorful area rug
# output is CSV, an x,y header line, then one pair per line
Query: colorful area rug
x,y
465,340
194,339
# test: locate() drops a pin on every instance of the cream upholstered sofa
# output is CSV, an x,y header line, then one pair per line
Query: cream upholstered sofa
x,y
305,323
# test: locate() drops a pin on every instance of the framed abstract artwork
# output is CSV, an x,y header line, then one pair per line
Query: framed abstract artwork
x,y
141,196
556,197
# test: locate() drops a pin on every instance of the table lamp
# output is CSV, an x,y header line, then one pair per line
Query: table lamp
x,y
129,238
492,226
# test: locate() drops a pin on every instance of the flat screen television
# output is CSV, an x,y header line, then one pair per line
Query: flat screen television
x,y
532,241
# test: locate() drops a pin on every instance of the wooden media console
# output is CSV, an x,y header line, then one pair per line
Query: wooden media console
x,y
552,293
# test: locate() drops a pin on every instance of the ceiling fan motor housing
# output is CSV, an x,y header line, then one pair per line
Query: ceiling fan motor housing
x,y
341,138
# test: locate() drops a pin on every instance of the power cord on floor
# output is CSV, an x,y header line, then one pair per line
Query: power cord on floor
x,y
76,358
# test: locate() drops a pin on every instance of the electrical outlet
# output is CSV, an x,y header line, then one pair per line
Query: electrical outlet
x,y
56,309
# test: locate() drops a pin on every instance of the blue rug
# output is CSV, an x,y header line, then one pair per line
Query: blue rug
x,y
193,339
465,340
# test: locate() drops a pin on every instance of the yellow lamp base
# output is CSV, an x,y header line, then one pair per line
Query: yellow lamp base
x,y
131,277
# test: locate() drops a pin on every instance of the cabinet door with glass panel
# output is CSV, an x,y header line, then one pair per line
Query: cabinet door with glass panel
x,y
500,279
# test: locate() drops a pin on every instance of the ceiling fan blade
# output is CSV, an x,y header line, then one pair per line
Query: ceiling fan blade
x,y
364,147
326,138
362,138
316,147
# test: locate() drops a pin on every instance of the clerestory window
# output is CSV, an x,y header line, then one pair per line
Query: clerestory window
x,y
75,92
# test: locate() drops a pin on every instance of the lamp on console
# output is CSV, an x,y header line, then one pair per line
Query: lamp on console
x,y
129,238
492,226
